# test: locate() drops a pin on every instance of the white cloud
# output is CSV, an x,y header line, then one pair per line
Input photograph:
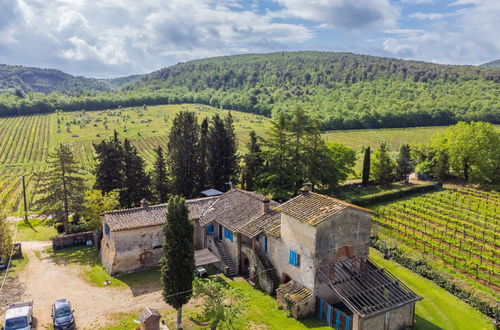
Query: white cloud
x,y
116,37
357,14
470,36
426,16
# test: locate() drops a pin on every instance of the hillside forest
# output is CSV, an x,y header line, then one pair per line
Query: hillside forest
x,y
339,90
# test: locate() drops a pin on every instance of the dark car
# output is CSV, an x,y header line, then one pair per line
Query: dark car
x,y
62,315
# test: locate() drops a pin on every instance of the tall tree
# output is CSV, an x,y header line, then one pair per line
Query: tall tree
x,y
184,154
61,186
404,164
177,265
253,163
110,165
276,178
160,178
472,150
5,238
366,167
299,127
95,203
382,166
222,147
135,180
203,165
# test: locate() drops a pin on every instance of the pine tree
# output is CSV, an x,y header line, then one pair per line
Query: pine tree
x,y
184,154
404,164
441,166
366,167
178,264
110,166
203,165
61,186
253,163
135,180
222,158
382,166
160,179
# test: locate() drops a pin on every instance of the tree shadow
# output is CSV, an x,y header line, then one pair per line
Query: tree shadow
x,y
142,282
12,292
421,324
83,256
312,322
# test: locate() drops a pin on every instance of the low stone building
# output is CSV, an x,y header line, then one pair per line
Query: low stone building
x,y
312,251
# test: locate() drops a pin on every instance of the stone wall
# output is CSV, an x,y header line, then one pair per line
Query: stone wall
x,y
134,249
256,267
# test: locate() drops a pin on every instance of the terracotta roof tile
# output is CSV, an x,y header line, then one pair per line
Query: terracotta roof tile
x,y
152,215
312,208
259,224
274,230
234,208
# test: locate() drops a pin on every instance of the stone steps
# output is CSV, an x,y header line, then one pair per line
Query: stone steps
x,y
226,259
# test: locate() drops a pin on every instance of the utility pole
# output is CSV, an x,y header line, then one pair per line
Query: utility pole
x,y
25,201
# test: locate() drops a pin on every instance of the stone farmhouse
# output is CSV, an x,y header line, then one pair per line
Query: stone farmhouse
x,y
311,251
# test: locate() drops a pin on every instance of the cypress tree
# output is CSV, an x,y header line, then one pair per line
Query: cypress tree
x,y
366,167
160,179
110,165
135,180
184,154
300,127
203,154
382,166
177,265
254,163
404,165
221,158
62,186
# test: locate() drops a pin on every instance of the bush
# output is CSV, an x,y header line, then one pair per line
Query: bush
x,y
389,195
478,300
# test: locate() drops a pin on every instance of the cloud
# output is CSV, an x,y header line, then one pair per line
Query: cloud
x,y
117,37
426,16
359,14
469,36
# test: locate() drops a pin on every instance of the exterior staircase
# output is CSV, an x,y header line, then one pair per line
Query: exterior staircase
x,y
270,271
231,270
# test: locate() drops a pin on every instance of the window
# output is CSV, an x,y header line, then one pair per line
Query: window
x,y
294,258
210,229
228,234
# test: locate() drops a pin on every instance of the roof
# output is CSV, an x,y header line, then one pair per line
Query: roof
x,y
365,288
147,313
204,257
257,225
17,312
61,302
211,192
273,230
313,208
294,292
234,208
154,215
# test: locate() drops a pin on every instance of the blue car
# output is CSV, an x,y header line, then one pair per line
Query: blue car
x,y
62,315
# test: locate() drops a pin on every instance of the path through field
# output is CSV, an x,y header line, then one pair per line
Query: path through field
x,y
44,281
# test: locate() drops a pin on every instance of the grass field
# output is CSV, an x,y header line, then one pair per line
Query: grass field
x,y
439,309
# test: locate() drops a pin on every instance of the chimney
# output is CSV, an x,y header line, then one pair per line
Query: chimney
x,y
144,202
304,191
266,205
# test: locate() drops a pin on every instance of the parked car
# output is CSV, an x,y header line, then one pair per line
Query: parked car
x,y
62,315
3,263
201,272
19,316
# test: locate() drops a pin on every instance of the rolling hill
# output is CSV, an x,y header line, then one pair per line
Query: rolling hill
x,y
341,90
494,64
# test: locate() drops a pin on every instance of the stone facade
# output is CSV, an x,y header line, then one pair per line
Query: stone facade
x,y
396,319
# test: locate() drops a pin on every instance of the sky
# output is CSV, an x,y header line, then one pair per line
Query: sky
x,y
111,38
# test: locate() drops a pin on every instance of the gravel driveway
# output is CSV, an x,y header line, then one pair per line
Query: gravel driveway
x,y
45,281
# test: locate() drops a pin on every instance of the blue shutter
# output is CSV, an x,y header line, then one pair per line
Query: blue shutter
x,y
329,315
210,229
337,320
230,235
265,244
320,312
290,259
347,323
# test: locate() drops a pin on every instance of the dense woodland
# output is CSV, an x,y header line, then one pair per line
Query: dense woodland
x,y
342,91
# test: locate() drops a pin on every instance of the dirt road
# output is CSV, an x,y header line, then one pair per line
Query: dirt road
x,y
45,281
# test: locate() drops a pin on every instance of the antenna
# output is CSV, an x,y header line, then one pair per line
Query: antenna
x,y
230,185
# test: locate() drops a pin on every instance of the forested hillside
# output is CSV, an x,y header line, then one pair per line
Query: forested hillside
x,y
495,64
344,91
26,79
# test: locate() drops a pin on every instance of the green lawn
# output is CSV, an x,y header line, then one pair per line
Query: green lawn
x,y
439,309
36,230
16,266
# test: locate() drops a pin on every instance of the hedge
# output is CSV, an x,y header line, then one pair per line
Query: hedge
x,y
389,195
478,300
